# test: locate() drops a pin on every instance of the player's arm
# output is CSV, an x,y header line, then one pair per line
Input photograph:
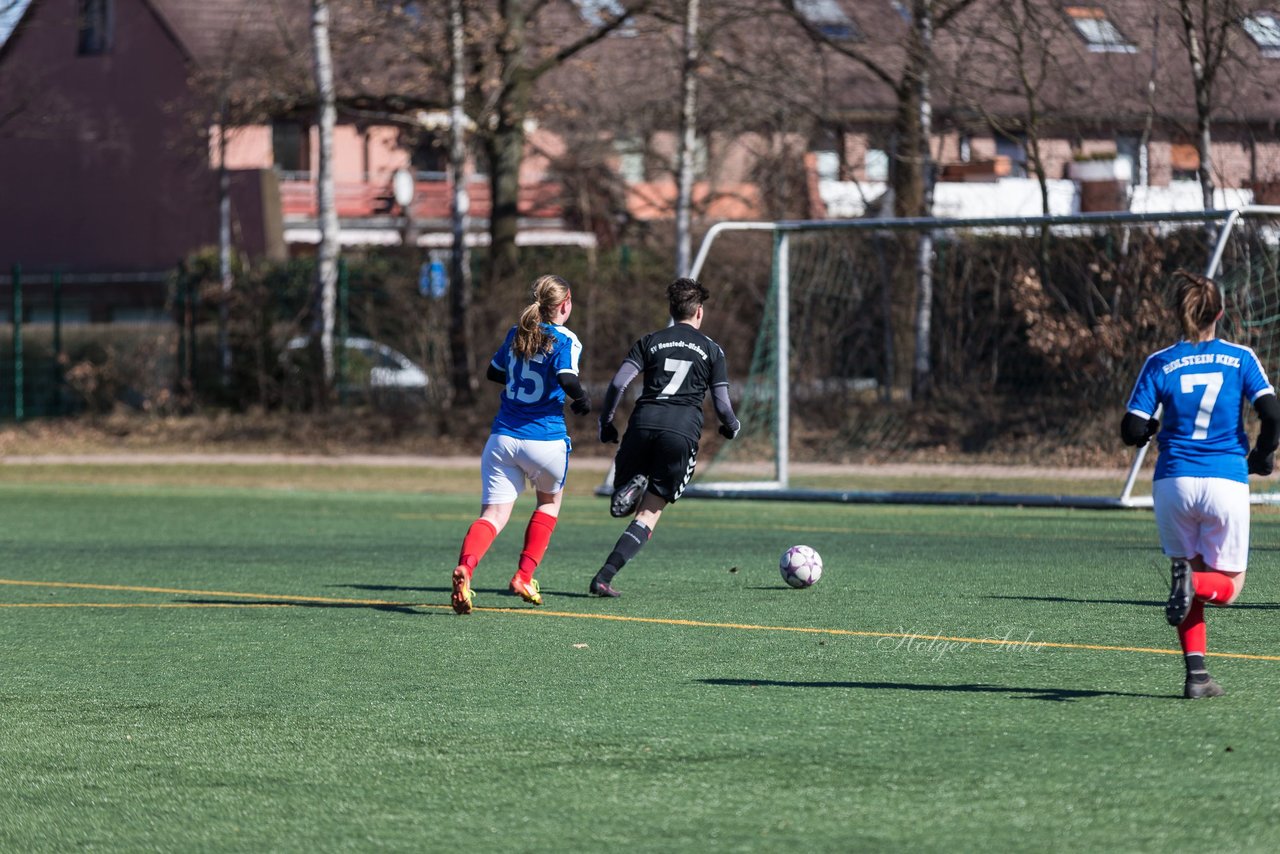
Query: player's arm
x,y
1139,423
1262,459
496,374
627,372
1137,429
581,404
729,423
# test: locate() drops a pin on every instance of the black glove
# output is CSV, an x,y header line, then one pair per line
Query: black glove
x,y
730,432
581,406
608,433
1260,463
1153,427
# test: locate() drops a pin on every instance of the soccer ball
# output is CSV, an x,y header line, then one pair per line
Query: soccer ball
x,y
800,566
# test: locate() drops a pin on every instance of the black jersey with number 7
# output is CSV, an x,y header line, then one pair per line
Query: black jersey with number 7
x,y
680,365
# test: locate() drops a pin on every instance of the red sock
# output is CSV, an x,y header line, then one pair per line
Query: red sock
x,y
477,541
536,539
1213,587
1191,634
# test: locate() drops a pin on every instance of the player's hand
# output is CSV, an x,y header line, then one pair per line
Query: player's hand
x,y
608,433
1260,463
731,432
1153,427
581,406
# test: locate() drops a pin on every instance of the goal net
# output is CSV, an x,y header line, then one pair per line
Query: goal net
x,y
962,361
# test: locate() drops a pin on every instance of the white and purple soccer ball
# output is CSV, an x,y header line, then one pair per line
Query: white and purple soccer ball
x,y
801,566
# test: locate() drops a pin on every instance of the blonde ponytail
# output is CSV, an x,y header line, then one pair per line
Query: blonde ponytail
x,y
531,339
1199,303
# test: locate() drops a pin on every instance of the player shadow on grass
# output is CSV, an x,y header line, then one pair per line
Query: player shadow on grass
x,y
406,608
496,591
1057,695
1144,603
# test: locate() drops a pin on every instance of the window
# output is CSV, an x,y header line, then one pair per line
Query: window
x,y
291,146
828,18
827,165
598,13
1013,146
1098,32
1131,150
1184,159
876,164
95,23
630,159
1264,29
430,157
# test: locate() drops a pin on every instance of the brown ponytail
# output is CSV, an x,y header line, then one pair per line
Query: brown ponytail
x,y
531,339
1199,303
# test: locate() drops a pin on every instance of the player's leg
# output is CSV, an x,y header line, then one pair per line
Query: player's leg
x,y
537,536
629,544
1217,573
629,480
500,484
547,466
671,461
1174,502
1203,524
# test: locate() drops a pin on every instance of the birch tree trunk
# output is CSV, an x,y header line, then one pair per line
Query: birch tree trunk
x,y
327,253
460,204
688,138
922,363
1201,78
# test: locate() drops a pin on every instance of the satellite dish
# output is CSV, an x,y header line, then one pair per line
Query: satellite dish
x,y
402,187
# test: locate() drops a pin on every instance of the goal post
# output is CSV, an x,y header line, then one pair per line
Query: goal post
x,y
1039,327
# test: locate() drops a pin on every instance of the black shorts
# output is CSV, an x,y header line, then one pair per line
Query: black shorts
x,y
666,458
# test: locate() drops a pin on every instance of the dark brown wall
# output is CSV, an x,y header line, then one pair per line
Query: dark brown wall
x,y
102,171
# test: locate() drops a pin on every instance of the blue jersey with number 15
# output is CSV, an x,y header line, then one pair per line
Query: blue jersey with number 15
x,y
532,400
1203,388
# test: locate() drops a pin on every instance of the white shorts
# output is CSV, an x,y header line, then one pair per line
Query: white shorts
x,y
1206,516
507,463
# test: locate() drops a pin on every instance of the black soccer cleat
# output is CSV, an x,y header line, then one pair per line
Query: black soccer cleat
x,y
627,497
1206,688
1181,592
602,589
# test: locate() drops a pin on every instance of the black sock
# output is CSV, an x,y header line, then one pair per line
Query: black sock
x,y
627,547
1196,671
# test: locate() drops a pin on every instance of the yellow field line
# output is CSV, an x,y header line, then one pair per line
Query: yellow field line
x,y
179,592
145,605
285,599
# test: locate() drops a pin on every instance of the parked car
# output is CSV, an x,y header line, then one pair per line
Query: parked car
x,y
371,367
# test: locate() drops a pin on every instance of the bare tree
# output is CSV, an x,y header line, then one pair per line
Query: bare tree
x,y
1012,69
460,260
517,70
908,72
1209,32
327,252
688,137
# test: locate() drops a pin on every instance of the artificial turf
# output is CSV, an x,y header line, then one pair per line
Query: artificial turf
x,y
254,668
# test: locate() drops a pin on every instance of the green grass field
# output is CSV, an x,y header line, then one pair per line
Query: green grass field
x,y
194,665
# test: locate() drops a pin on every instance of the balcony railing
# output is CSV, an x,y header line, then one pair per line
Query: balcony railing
x,y
432,199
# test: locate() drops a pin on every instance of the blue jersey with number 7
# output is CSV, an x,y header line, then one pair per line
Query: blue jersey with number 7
x,y
1203,388
532,400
